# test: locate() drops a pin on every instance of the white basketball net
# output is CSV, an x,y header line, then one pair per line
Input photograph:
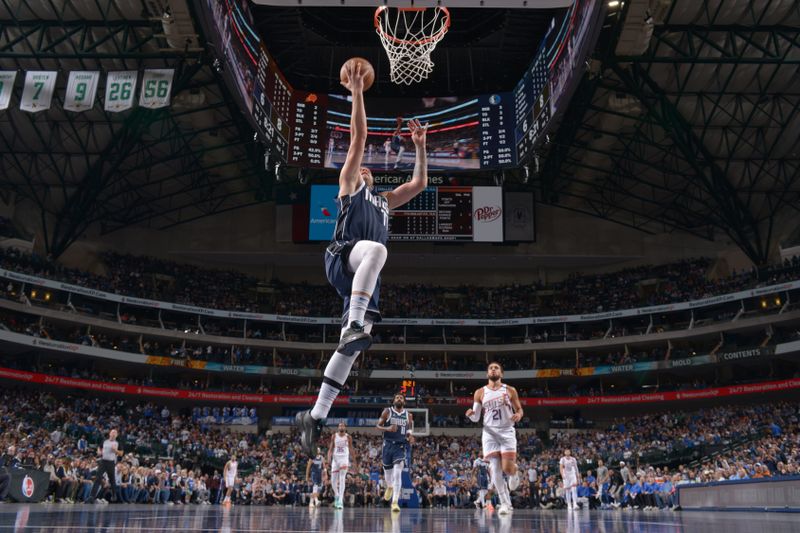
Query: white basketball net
x,y
409,35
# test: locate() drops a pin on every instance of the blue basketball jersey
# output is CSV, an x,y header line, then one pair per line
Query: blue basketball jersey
x,y
483,471
401,421
363,216
316,469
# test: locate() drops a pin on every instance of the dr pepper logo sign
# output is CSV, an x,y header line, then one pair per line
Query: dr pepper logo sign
x,y
488,213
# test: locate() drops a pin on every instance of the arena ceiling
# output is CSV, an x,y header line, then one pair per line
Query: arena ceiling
x,y
693,128
688,120
155,167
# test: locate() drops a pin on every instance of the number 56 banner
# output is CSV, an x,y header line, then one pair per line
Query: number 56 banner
x,y
156,88
119,90
81,90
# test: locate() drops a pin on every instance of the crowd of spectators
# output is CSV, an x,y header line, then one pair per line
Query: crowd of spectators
x,y
152,278
174,458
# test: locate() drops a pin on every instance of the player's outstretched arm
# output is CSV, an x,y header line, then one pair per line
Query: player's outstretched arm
x,y
474,414
404,193
349,177
515,404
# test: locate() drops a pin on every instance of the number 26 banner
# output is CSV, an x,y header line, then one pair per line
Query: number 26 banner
x,y
156,88
120,87
81,90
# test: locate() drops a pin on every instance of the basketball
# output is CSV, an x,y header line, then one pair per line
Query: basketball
x,y
365,65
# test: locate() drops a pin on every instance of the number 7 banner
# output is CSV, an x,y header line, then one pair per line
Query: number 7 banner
x,y
119,90
81,90
38,91
156,88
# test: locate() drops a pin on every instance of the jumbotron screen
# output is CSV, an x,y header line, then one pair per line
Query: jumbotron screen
x,y
445,213
488,131
463,133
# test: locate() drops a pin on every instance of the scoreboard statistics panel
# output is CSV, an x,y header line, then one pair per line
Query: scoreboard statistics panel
x,y
445,213
553,75
272,103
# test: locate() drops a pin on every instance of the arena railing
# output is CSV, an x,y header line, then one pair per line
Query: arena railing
x,y
69,349
614,328
156,305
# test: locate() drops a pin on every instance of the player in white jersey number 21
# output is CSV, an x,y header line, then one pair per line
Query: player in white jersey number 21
x,y
339,453
501,409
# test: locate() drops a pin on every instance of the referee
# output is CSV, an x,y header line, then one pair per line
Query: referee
x,y
107,465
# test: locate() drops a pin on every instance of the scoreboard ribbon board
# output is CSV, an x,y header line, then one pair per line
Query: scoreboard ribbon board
x,y
446,213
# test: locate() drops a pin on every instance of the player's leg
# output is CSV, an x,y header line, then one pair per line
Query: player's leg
x,y
342,481
499,483
336,372
388,471
365,261
335,481
397,482
508,449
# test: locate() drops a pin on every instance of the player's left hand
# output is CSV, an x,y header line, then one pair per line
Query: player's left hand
x,y
418,132
516,417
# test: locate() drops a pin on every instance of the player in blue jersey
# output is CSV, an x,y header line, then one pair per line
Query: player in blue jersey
x,y
315,475
397,425
480,471
357,253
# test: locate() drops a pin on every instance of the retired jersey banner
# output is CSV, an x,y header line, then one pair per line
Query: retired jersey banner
x,y
38,91
81,90
156,88
7,78
119,90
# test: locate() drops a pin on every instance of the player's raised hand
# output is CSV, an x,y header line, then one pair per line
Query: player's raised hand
x,y
418,132
470,413
355,76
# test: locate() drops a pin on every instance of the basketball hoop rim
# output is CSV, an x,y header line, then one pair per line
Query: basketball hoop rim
x,y
435,37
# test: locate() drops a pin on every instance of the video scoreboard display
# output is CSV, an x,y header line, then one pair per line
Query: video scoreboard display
x,y
465,133
444,213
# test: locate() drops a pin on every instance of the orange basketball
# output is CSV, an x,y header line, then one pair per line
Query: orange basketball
x,y
365,66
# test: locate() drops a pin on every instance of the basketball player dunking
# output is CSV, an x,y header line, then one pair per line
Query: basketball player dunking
x,y
339,453
357,252
396,424
501,410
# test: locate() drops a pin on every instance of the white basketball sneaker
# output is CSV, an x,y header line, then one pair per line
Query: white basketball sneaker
x,y
504,509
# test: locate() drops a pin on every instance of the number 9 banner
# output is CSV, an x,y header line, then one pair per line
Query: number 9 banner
x,y
81,90
156,88
119,90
